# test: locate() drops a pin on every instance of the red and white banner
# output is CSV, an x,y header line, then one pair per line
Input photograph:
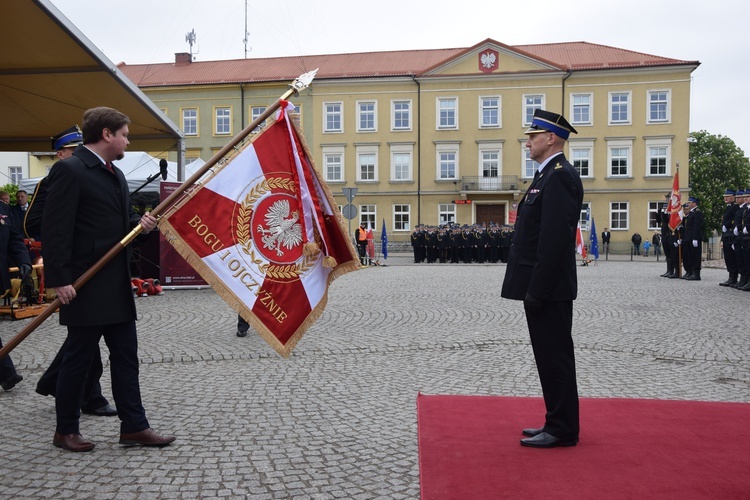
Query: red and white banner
x,y
675,205
580,247
265,232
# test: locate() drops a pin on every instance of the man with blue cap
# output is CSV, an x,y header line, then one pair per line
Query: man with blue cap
x,y
727,237
740,239
693,238
541,271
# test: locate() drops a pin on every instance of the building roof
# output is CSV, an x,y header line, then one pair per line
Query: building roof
x,y
407,63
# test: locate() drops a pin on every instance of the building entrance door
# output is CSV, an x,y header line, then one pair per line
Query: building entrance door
x,y
490,213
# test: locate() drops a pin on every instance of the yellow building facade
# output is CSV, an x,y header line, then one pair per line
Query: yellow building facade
x,y
430,137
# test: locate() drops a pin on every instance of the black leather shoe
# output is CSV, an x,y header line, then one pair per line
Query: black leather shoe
x,y
43,392
10,382
105,411
545,440
532,432
242,333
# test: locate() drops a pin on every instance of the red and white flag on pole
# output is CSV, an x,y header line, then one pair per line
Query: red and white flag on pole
x,y
264,231
675,206
370,242
580,247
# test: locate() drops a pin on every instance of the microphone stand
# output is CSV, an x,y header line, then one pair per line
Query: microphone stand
x,y
149,180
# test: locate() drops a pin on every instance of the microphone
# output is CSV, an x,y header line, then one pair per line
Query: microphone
x,y
163,168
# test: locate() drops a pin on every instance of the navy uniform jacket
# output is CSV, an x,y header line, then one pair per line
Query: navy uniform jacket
x,y
88,211
694,225
11,245
542,257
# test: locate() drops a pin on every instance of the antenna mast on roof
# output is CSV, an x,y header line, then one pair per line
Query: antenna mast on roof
x,y
244,40
191,38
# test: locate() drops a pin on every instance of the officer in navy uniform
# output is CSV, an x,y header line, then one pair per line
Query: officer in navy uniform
x,y
541,271
740,232
667,239
745,232
693,239
727,237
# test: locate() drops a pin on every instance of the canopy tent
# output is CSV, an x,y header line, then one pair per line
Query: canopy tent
x,y
137,167
50,73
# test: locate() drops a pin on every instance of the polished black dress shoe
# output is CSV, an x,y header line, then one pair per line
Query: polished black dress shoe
x,y
146,438
532,432
10,382
242,333
105,411
72,442
545,440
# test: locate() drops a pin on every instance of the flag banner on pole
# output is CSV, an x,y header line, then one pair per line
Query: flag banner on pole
x,y
675,203
370,242
580,247
594,239
384,241
265,232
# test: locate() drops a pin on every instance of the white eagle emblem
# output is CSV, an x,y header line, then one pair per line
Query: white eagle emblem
x,y
283,229
488,60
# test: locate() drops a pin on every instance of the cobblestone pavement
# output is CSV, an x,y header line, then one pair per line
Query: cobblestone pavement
x,y
338,418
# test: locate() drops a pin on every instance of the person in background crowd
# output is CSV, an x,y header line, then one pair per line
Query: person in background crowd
x,y
636,240
728,237
606,235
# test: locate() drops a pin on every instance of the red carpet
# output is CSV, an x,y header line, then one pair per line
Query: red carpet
x,y
629,448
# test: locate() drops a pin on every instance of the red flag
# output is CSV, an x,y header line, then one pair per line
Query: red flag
x,y
580,247
264,231
370,242
675,206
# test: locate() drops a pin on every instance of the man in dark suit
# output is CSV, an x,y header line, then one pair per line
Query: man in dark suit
x,y
541,271
22,204
86,213
693,239
606,235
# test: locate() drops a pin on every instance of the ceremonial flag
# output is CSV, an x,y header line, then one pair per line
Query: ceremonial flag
x,y
370,242
580,248
675,206
384,242
594,239
264,231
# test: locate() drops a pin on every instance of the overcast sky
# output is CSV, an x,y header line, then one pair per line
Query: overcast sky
x,y
715,33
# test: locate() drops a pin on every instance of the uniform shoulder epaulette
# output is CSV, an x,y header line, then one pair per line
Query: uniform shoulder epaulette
x,y
558,166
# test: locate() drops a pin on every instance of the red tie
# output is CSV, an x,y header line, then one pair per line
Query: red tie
x,y
109,167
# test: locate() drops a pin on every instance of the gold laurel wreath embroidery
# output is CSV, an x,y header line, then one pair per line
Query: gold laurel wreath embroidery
x,y
243,231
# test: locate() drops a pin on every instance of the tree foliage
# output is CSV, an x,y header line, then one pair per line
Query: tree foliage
x,y
716,163
11,189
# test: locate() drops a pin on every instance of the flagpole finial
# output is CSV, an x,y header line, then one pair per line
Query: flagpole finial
x,y
303,81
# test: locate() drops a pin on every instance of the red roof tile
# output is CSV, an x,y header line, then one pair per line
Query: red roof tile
x,y
571,55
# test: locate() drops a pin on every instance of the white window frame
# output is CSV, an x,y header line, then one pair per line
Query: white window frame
x,y
653,209
398,211
447,148
368,214
15,173
629,112
188,120
255,112
367,151
620,144
329,152
651,145
528,166
498,108
451,113
361,113
223,118
395,112
619,210
527,109
589,107
335,111
402,149
446,213
667,106
575,146
489,147
583,219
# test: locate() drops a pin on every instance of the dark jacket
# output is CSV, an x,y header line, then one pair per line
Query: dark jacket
x,y
542,257
12,247
87,212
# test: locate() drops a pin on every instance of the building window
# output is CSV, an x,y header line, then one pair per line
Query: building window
x,y
529,166
584,219
447,113
223,121
366,116
446,213
530,104
447,161
489,112
255,112
581,109
190,121
657,160
581,154
401,217
367,163
333,161
367,216
401,115
15,174
333,120
401,162
658,106
618,215
491,163
653,211
619,108
620,158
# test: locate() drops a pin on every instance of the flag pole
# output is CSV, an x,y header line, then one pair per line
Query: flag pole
x,y
300,83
